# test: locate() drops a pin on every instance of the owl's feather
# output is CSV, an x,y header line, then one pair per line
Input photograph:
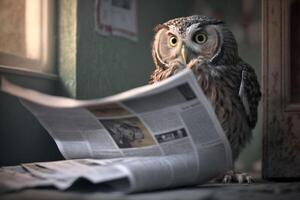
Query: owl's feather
x,y
249,93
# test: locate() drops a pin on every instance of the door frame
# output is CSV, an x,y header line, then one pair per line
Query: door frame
x,y
281,154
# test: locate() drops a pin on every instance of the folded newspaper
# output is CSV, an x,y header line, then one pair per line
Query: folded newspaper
x,y
152,137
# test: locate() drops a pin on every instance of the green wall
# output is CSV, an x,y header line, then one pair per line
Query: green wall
x,y
66,46
108,65
22,138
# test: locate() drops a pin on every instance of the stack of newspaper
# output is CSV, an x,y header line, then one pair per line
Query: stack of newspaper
x,y
152,137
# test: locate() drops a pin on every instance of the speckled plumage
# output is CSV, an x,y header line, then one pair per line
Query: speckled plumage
x,y
228,82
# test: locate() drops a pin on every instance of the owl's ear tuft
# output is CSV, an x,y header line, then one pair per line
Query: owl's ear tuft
x,y
159,27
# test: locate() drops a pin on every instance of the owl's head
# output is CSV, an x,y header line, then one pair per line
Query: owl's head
x,y
194,37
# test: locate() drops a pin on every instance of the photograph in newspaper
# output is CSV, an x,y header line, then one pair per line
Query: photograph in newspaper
x,y
128,132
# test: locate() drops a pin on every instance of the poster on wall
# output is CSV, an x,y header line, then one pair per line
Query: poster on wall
x,y
116,17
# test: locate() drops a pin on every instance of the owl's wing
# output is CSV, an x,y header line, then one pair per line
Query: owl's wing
x,y
249,93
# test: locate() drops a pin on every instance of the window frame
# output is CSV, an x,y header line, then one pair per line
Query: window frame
x,y
40,63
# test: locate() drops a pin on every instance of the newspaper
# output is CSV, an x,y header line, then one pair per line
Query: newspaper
x,y
152,137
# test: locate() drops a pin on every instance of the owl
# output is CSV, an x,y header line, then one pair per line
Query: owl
x,y
207,47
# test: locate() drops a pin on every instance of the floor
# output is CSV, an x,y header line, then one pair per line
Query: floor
x,y
262,190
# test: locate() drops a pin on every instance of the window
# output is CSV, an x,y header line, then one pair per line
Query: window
x,y
26,34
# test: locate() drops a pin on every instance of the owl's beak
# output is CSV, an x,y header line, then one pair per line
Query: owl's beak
x,y
184,54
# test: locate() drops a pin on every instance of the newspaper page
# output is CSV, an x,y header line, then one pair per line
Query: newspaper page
x,y
16,178
165,134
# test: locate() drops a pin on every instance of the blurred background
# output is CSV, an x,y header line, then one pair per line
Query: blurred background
x,y
54,46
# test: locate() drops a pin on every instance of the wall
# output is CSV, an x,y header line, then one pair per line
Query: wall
x,y
108,65
66,46
22,138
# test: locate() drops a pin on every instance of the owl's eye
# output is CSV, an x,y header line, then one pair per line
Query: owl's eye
x,y
200,38
173,41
